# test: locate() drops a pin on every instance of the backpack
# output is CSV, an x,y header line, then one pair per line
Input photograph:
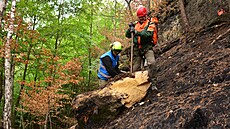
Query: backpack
x,y
154,21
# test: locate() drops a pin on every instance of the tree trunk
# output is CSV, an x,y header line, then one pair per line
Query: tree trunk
x,y
1,78
184,16
21,121
89,55
8,72
115,22
24,73
2,10
46,120
23,78
123,91
90,45
58,38
129,6
148,5
156,5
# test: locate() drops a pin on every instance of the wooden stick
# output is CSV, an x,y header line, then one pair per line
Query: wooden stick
x,y
131,63
220,36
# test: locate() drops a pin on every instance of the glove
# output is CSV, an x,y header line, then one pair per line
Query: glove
x,y
131,27
125,69
132,30
131,24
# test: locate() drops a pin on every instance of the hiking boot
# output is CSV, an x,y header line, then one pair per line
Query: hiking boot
x,y
153,87
153,83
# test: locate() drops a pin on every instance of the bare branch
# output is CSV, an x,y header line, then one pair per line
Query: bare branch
x,y
220,36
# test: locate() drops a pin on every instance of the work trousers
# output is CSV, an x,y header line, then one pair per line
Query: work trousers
x,y
102,83
138,59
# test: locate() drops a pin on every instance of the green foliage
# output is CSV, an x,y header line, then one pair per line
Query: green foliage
x,y
48,36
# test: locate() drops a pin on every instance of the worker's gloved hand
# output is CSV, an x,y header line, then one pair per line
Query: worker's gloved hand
x,y
132,75
125,69
131,24
131,28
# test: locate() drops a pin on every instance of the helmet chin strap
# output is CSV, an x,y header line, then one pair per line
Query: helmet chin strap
x,y
142,20
114,53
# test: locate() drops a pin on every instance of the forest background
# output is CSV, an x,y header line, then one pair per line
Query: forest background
x,y
49,53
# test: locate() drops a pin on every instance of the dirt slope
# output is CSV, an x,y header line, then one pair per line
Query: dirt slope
x,y
194,85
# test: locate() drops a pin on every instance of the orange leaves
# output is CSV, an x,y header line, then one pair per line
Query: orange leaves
x,y
21,82
45,52
40,98
21,58
48,79
69,72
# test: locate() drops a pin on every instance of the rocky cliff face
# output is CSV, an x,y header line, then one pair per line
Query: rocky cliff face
x,y
200,14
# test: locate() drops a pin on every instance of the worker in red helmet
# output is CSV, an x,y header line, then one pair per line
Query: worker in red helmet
x,y
141,13
143,33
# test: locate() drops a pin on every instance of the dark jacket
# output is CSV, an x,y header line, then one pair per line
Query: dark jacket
x,y
143,35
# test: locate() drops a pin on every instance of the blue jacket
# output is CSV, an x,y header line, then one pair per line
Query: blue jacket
x,y
103,74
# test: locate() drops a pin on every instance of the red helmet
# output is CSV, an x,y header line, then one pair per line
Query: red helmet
x,y
142,11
